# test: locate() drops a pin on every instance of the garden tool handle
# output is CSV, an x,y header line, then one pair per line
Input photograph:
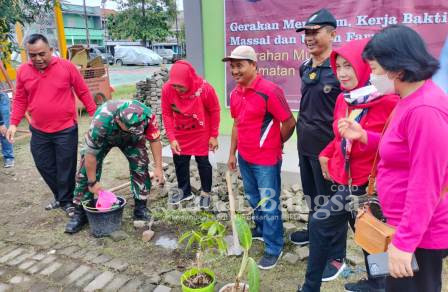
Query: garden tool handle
x,y
236,242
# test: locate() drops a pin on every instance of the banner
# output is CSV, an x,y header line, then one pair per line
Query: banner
x,y
270,27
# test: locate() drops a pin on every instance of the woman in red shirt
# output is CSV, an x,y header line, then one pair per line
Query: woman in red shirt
x,y
190,112
344,160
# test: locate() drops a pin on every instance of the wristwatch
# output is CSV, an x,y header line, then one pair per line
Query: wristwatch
x,y
90,184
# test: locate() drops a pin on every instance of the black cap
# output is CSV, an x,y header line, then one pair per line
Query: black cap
x,y
319,19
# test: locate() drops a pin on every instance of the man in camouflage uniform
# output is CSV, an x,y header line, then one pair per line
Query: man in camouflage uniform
x,y
127,125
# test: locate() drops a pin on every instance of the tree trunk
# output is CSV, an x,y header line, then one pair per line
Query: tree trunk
x,y
143,15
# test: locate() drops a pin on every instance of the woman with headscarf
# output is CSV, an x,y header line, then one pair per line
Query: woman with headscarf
x,y
412,178
190,112
345,163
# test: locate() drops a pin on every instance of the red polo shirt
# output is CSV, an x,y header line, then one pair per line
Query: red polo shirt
x,y
48,96
258,111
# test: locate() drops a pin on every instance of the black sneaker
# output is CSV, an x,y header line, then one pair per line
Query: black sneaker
x,y
256,235
332,270
364,285
204,202
177,199
300,237
269,261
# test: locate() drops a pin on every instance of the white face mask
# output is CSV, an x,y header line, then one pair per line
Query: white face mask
x,y
383,84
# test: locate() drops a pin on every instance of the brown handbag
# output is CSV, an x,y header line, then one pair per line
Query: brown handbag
x,y
371,232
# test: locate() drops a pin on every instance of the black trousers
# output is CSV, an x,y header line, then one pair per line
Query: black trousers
x,y
55,156
316,189
182,166
328,226
427,279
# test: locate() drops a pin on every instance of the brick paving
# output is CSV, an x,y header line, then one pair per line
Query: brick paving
x,y
33,268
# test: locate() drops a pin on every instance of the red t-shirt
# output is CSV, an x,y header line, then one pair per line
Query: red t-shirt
x,y
48,96
258,111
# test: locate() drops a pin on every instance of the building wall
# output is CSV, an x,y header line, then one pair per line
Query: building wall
x,y
75,28
213,43
214,50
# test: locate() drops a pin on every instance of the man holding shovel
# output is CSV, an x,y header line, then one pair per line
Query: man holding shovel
x,y
127,125
262,123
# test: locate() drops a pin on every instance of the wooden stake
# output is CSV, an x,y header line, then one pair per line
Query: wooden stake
x,y
122,186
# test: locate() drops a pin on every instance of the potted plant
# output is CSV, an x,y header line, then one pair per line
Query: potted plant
x,y
247,263
209,237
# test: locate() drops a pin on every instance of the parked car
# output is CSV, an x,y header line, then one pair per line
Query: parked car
x,y
135,55
168,55
99,51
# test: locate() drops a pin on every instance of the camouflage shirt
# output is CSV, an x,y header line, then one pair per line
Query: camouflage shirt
x,y
104,131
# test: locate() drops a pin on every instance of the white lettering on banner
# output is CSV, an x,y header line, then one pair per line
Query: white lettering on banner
x,y
237,41
383,21
273,56
279,40
426,18
277,71
258,26
356,36
294,24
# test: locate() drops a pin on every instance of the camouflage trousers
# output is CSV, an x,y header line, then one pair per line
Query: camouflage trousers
x,y
137,156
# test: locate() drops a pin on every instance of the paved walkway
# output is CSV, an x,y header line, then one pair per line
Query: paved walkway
x,y
71,268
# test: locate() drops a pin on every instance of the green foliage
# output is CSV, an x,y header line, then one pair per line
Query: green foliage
x,y
210,236
254,276
180,217
21,11
244,234
245,238
146,20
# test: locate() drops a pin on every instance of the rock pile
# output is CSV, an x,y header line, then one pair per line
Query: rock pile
x,y
149,92
293,204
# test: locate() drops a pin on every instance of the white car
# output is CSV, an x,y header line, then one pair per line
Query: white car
x,y
134,55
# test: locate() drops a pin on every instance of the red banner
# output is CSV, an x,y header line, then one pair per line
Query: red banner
x,y
270,27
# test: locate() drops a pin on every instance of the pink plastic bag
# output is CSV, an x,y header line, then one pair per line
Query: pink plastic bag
x,y
106,200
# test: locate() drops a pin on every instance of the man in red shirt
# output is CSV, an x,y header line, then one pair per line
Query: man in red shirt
x,y
45,88
262,123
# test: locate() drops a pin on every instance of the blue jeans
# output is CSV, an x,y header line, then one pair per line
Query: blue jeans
x,y
262,181
7,150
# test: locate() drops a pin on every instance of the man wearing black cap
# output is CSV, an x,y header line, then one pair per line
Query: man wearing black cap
x,y
320,89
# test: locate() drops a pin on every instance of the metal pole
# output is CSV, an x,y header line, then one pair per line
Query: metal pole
x,y
87,24
59,19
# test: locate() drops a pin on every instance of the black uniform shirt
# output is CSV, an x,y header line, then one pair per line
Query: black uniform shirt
x,y
320,89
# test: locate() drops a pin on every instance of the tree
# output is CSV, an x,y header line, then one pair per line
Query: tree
x,y
21,11
145,20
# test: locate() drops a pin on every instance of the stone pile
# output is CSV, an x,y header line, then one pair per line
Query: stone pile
x,y
149,92
293,204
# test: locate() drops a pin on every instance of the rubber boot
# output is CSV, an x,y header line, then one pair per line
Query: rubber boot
x,y
141,212
78,220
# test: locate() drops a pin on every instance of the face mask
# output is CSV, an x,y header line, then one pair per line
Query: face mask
x,y
383,84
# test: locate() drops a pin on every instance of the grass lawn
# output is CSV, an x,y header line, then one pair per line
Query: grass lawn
x,y
124,91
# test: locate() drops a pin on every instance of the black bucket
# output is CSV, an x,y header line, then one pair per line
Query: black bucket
x,y
103,223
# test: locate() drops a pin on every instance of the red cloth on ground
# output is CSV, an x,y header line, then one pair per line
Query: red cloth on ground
x,y
361,158
193,117
48,96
